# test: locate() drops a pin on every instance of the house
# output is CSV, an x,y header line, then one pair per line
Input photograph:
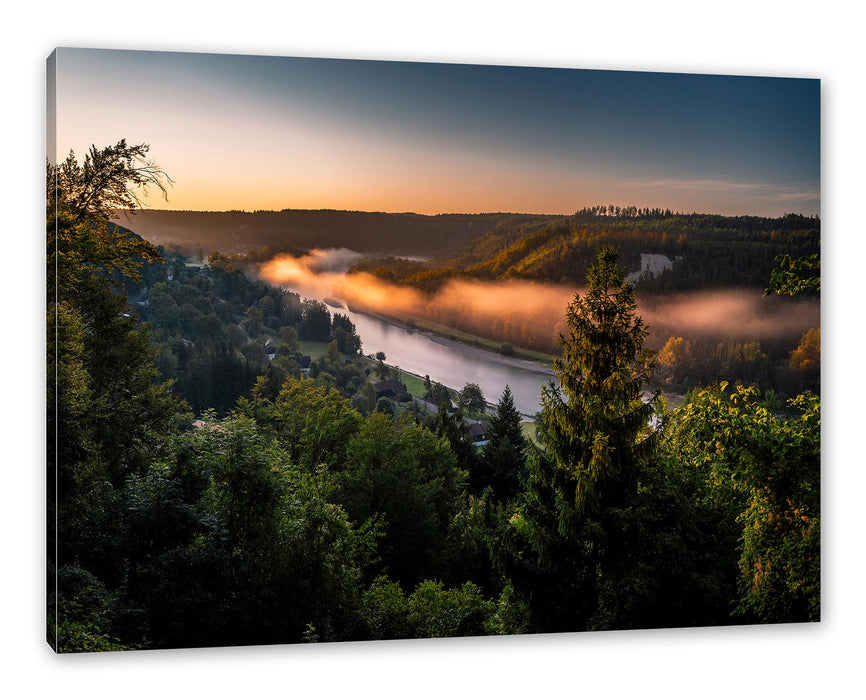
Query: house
x,y
390,389
303,361
479,431
270,350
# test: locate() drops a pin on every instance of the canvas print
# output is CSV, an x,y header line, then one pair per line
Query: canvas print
x,y
363,350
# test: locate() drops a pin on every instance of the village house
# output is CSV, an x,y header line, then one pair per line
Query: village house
x,y
303,361
479,431
390,389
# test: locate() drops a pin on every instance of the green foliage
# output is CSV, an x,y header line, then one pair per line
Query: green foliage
x,y
795,276
108,412
503,459
471,398
774,462
453,428
344,334
315,423
106,416
596,442
595,429
467,553
289,339
403,479
430,611
671,552
435,611
332,352
438,394
81,620
302,509
365,401
316,321
226,514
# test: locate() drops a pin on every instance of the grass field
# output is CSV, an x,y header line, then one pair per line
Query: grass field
x,y
314,348
529,432
414,383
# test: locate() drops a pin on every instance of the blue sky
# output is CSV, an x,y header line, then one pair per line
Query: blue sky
x,y
257,132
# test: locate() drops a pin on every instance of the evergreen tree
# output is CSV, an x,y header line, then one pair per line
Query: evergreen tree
x,y
455,430
596,435
504,455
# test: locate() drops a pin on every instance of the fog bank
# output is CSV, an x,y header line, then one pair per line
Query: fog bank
x,y
532,313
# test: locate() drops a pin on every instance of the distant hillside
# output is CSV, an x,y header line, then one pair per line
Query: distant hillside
x,y
367,232
710,250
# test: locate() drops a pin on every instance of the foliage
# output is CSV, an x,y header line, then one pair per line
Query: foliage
x,y
467,554
106,417
438,394
301,509
596,440
596,429
453,428
108,179
234,545
430,611
315,423
795,276
503,459
686,363
316,321
805,360
404,480
671,552
774,462
472,399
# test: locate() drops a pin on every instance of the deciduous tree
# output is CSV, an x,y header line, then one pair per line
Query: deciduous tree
x,y
472,398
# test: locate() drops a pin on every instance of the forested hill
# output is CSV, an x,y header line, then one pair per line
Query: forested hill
x,y
707,250
367,232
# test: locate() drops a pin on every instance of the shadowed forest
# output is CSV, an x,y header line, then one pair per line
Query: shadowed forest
x,y
223,470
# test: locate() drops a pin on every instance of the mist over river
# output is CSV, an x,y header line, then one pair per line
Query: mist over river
x,y
321,275
720,315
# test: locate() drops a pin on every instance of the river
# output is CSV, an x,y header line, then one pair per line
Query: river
x,y
450,363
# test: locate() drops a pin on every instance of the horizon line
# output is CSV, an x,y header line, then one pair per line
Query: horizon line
x,y
132,212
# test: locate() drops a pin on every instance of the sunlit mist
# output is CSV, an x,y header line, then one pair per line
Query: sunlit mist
x,y
534,311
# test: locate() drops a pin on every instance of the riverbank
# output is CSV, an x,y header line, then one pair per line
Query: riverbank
x,y
483,354
477,341
522,359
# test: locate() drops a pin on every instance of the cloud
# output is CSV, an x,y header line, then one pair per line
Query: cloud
x,y
730,187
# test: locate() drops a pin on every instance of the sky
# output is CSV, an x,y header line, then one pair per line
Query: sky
x,y
264,132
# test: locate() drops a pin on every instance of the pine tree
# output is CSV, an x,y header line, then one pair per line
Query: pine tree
x,y
596,435
504,455
596,426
